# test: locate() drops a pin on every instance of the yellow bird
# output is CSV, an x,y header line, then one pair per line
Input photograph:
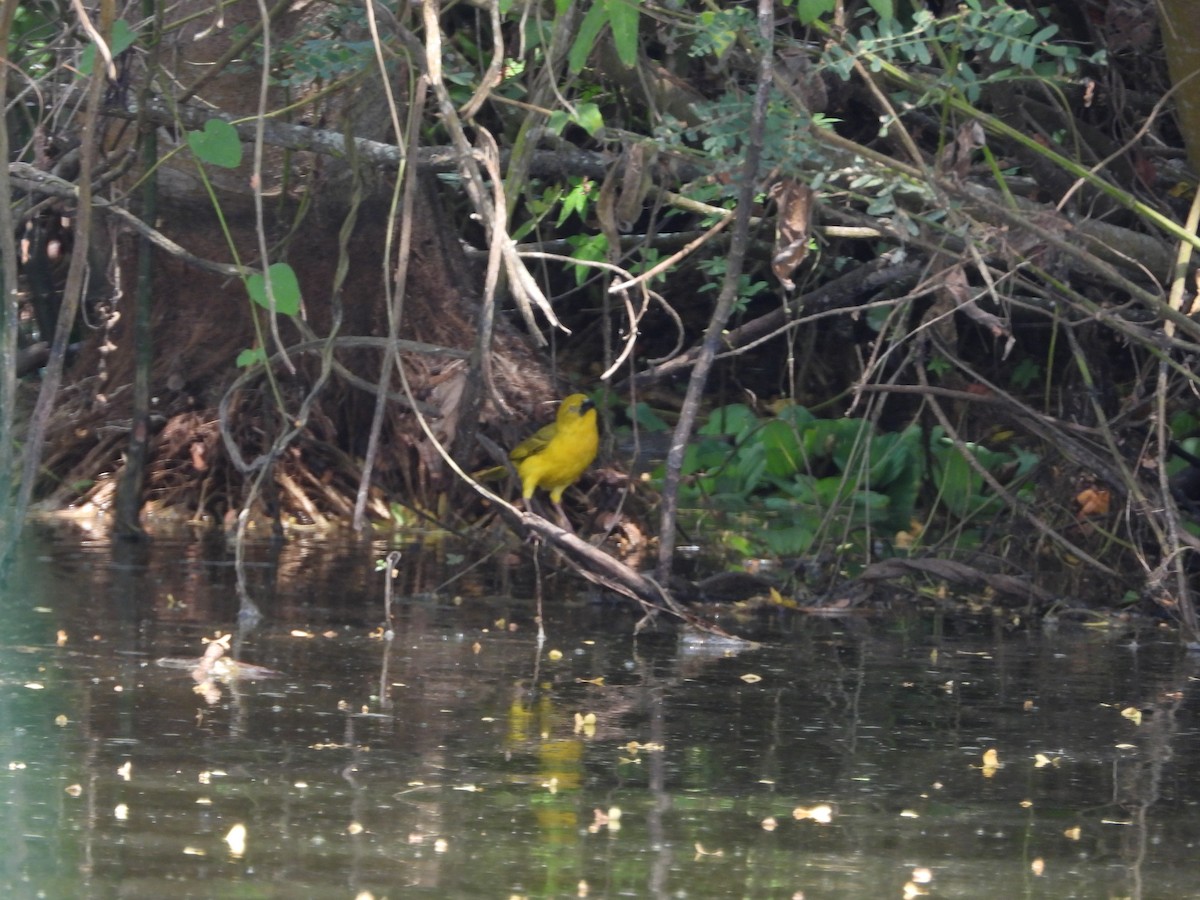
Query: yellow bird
x,y
555,456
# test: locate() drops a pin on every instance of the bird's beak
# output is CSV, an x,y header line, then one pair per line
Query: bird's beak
x,y
586,405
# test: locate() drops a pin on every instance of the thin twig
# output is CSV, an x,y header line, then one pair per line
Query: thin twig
x,y
714,335
72,296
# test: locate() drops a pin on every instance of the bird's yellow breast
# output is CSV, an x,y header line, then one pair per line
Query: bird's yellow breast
x,y
555,457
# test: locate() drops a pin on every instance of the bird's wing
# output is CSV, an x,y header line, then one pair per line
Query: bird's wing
x,y
535,443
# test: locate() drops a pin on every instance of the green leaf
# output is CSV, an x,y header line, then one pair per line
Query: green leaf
x,y
791,540
735,419
959,486
588,117
592,248
589,30
747,472
218,144
1044,35
623,15
575,202
558,121
284,286
808,11
796,415
885,8
1025,373
782,447
700,456
251,356
123,37
648,419
719,32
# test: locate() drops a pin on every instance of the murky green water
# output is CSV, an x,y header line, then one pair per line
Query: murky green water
x,y
455,761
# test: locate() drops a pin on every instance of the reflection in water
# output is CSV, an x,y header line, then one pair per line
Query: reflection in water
x,y
839,759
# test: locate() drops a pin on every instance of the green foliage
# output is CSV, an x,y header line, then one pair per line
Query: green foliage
x,y
123,37
322,59
809,11
1185,423
719,30
1025,373
647,419
593,247
218,144
622,17
585,114
251,356
796,475
724,127
284,286
960,488
793,477
317,55
975,46
747,289
940,366
576,197
33,29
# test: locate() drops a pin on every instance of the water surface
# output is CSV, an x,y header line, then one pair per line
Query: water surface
x,y
841,758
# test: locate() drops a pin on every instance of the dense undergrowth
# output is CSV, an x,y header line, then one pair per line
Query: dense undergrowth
x,y
906,279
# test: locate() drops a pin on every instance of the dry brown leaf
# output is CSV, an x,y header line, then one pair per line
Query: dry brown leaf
x,y
636,163
957,289
955,159
623,192
793,222
1092,502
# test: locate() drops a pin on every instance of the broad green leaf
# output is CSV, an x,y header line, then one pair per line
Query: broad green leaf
x,y
623,16
701,456
574,202
885,8
735,419
791,540
284,286
648,419
795,415
802,490
588,248
808,11
747,474
958,484
218,144
1044,35
588,117
589,30
834,490
887,458
123,37
251,356
782,446
559,119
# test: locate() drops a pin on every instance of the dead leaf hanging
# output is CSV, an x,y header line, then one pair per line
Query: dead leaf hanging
x,y
792,226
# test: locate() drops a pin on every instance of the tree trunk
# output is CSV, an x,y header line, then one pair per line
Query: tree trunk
x,y
1180,28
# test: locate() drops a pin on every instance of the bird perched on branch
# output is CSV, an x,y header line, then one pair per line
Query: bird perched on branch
x,y
556,455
